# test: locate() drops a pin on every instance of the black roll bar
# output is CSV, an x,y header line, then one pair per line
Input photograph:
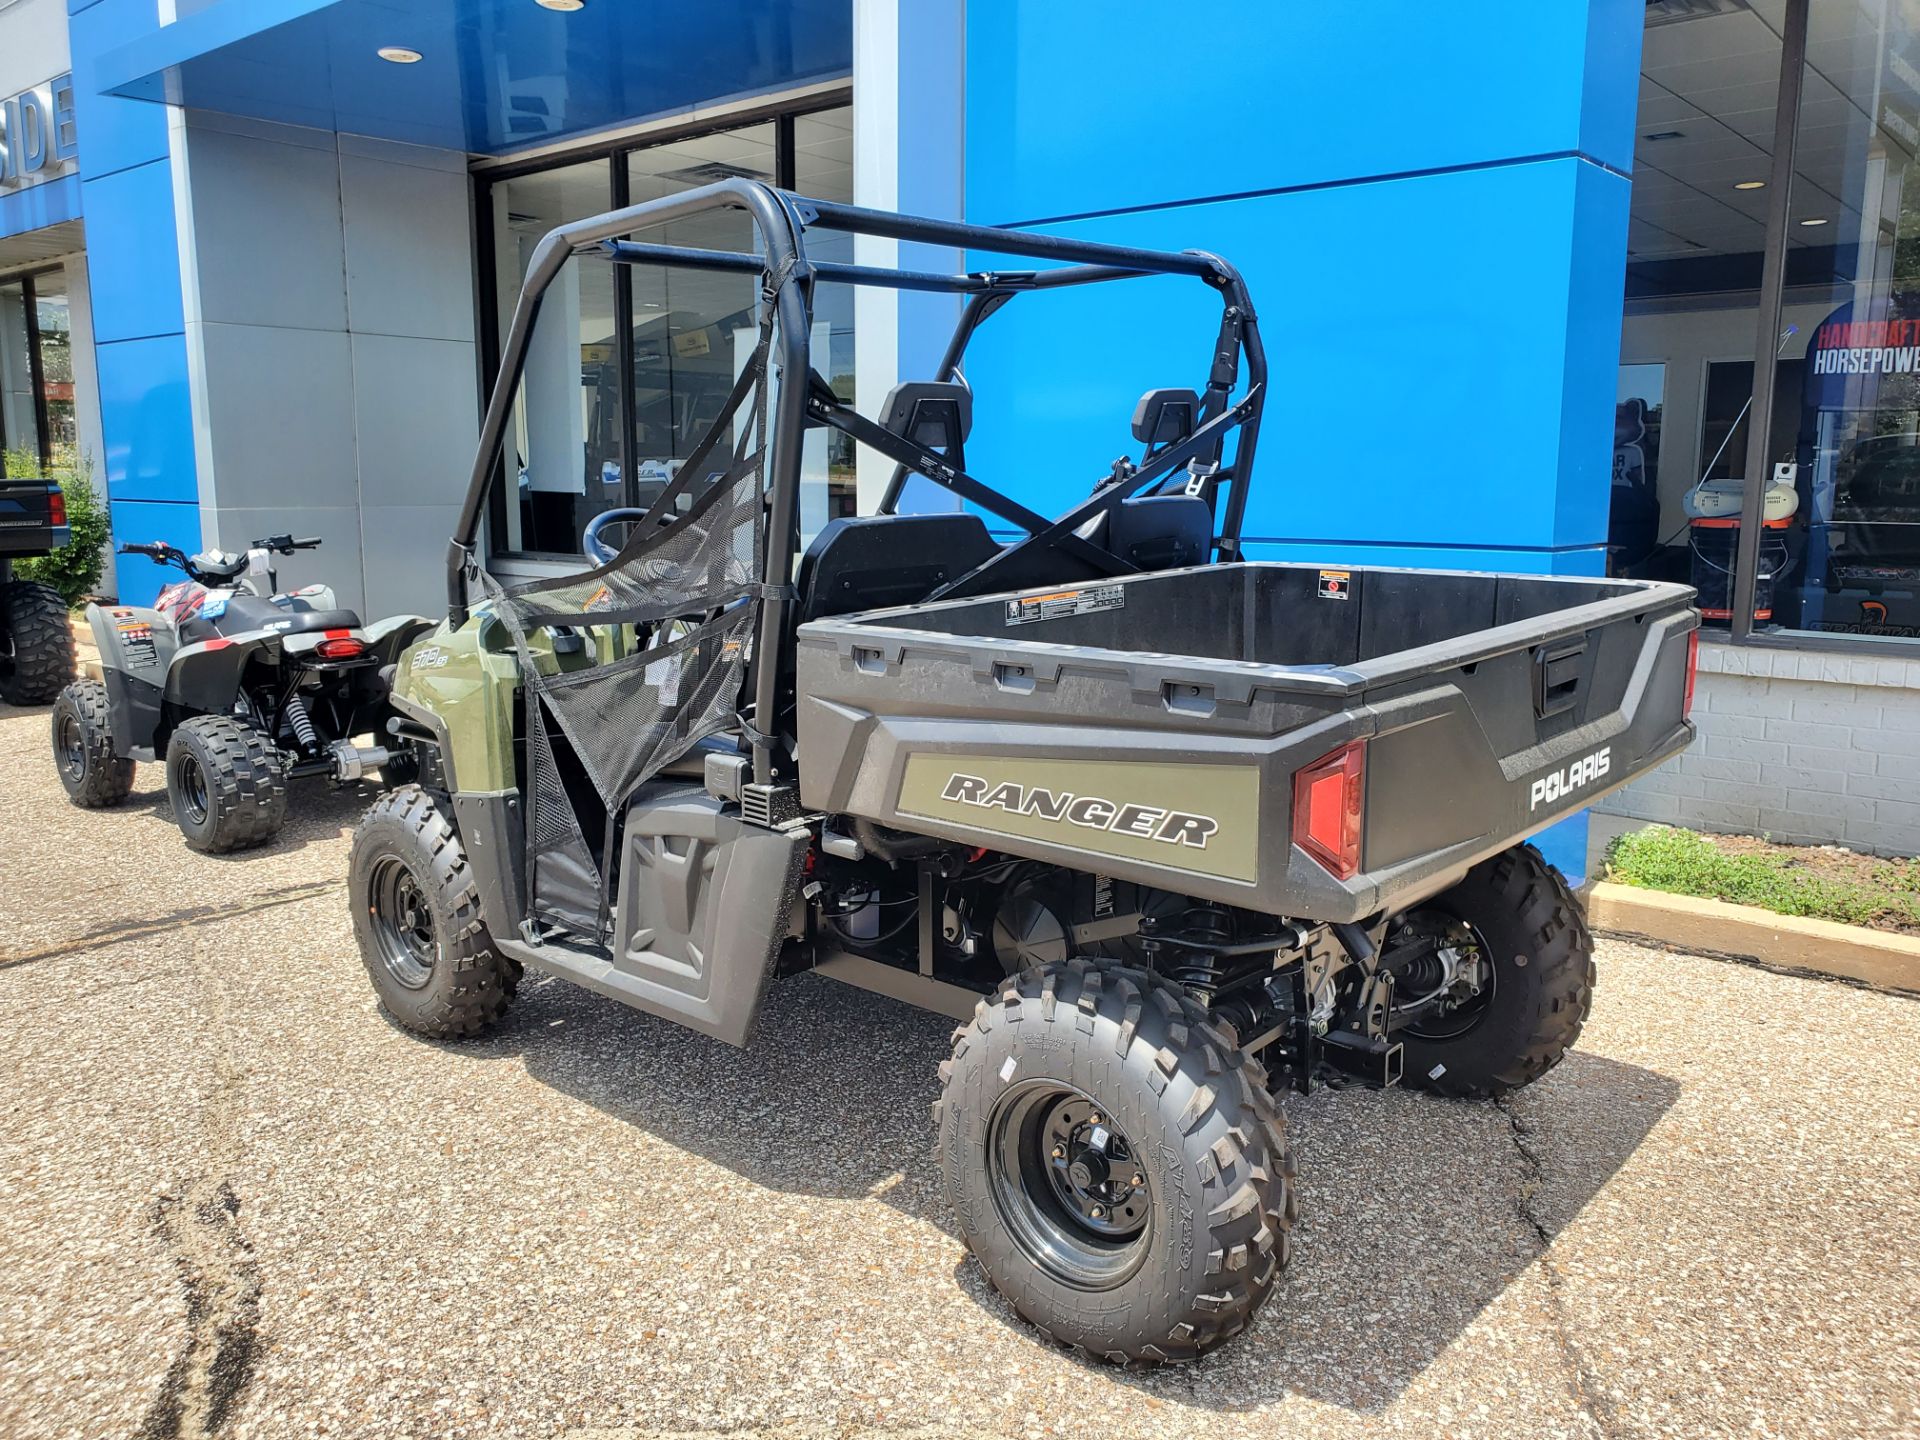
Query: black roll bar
x,y
781,220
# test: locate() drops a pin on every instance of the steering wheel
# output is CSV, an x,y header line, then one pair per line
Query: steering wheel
x,y
598,550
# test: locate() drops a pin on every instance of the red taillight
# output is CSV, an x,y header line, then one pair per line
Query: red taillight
x,y
339,645
1328,796
1693,668
56,506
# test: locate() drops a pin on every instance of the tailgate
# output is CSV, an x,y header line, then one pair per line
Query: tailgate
x,y
1474,751
33,517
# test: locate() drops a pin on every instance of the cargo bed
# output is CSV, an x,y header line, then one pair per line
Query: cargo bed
x,y
1151,727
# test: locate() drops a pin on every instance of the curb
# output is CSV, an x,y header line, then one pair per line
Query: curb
x,y
86,657
1792,943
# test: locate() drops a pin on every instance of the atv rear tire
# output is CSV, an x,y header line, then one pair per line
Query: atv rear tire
x,y
36,643
1532,931
1116,1166
83,747
416,914
227,784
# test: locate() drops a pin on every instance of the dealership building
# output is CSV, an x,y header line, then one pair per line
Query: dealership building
x,y
1542,289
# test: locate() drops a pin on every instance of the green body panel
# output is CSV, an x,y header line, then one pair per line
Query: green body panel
x,y
1204,819
467,678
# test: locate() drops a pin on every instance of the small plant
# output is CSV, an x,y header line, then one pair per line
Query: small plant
x,y
1881,893
74,569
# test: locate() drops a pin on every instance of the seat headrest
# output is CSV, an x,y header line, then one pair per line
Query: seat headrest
x,y
935,413
1166,417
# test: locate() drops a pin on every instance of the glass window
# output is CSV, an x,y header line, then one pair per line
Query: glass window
x,y
36,370
18,429
692,329
1696,237
823,168
1852,461
562,447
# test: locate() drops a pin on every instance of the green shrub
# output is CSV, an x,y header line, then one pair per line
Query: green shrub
x,y
1683,863
75,568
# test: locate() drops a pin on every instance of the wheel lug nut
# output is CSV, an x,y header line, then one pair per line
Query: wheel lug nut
x,y
1094,1119
1098,1212
1138,1179
1059,1152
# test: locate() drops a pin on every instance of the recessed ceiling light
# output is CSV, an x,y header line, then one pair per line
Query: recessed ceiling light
x,y
561,4
1750,185
1813,220
399,54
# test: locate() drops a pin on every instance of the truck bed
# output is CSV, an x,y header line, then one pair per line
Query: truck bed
x,y
1150,728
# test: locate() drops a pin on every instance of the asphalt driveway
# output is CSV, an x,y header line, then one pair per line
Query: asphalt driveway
x,y
235,1200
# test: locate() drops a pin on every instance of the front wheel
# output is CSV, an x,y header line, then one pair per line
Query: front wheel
x,y
1511,948
416,915
83,747
1116,1165
227,785
36,643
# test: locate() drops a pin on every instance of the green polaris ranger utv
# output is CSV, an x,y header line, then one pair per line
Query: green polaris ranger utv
x,y
1168,830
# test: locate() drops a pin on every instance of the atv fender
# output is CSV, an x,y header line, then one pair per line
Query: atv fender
x,y
137,647
205,676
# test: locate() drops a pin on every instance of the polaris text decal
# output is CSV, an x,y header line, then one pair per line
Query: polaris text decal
x,y
1148,822
1577,776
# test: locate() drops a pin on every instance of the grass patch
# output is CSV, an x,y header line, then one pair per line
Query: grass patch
x,y
1823,883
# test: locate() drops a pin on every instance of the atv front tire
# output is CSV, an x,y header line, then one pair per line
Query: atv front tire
x,y
1115,1164
36,643
416,915
227,784
83,747
1532,932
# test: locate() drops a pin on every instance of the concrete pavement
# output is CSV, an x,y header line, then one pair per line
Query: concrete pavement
x,y
238,1201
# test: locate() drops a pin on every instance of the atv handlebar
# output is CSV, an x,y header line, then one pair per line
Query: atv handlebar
x,y
286,544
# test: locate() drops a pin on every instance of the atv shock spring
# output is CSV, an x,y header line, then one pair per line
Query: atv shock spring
x,y
1197,969
300,722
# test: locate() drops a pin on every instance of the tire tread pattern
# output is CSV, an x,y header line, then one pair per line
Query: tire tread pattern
x,y
36,617
246,783
107,778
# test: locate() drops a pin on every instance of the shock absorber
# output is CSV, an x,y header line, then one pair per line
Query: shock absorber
x,y
301,723
1200,971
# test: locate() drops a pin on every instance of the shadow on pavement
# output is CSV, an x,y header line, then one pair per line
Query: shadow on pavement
x,y
316,811
1416,1213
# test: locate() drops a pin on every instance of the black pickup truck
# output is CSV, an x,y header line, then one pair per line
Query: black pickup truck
x,y
36,645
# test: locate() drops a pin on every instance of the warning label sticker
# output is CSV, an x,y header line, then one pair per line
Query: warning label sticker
x,y
136,643
1336,584
1061,603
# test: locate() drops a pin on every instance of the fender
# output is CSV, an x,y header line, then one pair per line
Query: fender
x,y
205,676
137,646
387,638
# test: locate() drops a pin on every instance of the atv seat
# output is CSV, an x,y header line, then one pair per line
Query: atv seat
x,y
250,612
869,562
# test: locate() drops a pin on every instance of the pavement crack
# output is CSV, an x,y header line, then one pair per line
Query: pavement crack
x,y
173,920
1582,1382
199,1224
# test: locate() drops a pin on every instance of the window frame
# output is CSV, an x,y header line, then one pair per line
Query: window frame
x,y
36,366
781,111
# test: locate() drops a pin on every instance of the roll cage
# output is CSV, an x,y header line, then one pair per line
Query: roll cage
x,y
788,276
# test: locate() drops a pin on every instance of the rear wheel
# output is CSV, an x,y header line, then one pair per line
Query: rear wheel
x,y
416,915
227,785
36,643
1116,1165
1512,924
83,747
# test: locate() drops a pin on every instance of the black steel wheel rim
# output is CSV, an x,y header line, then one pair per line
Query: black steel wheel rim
x,y
73,747
193,788
403,923
1463,1018
1069,1184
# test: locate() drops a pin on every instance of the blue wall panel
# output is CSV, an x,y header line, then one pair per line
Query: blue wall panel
x,y
114,133
133,255
147,415
1075,107
144,521
1424,390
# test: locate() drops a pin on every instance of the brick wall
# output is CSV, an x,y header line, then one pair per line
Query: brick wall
x,y
1801,747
